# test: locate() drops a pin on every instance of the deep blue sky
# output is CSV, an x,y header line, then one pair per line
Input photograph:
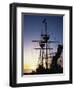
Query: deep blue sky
x,y
32,26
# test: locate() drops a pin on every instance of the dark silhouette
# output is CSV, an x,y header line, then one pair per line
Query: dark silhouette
x,y
56,68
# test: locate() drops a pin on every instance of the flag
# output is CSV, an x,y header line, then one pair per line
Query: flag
x,y
44,20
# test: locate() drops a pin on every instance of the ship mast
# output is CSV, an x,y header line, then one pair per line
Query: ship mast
x,y
46,38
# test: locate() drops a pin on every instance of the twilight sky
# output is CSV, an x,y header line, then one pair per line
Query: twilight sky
x,y
32,26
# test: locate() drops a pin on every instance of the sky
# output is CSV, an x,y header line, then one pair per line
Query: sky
x,y
32,26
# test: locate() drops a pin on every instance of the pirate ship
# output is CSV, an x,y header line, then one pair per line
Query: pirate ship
x,y
45,54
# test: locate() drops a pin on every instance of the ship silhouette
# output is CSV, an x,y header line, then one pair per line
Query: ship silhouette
x,y
45,55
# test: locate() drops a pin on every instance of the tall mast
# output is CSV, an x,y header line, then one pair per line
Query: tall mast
x,y
46,38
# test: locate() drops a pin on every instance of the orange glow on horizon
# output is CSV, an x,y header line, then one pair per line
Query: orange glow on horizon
x,y
29,68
